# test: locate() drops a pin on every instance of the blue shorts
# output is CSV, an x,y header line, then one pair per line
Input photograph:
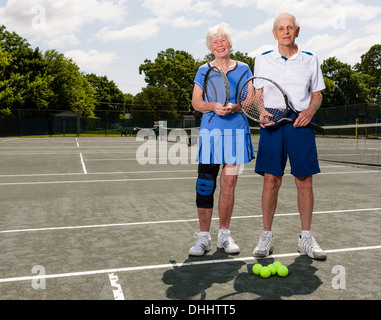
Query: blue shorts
x,y
282,141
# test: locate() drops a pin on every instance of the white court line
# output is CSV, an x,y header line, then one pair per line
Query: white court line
x,y
172,265
94,181
159,179
8,140
174,221
349,155
121,172
95,173
83,164
58,153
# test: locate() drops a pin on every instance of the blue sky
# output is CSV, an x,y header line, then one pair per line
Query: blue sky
x,y
113,38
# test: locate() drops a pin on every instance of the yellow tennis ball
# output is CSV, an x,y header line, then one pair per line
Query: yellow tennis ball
x,y
282,271
265,272
273,269
256,268
277,264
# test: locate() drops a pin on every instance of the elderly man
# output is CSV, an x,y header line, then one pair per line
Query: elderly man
x,y
299,74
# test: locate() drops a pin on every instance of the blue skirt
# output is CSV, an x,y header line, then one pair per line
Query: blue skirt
x,y
230,146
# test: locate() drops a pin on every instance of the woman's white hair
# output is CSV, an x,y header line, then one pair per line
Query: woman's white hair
x,y
285,14
222,29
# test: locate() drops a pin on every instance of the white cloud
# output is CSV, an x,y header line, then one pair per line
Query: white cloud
x,y
355,9
166,8
59,22
317,15
238,3
184,22
263,28
170,9
351,52
61,41
93,60
206,8
324,42
139,32
182,14
372,28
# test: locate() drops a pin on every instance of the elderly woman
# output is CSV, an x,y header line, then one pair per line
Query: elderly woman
x,y
228,146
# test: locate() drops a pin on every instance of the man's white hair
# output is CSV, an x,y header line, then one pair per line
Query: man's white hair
x,y
222,29
282,15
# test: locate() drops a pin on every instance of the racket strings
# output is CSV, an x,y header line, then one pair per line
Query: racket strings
x,y
262,101
216,88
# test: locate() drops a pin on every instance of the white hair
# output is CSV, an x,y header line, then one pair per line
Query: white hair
x,y
282,15
222,29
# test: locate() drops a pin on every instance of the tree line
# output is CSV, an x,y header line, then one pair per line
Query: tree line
x,y
34,80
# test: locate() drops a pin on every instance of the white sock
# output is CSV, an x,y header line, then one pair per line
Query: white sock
x,y
268,233
306,234
223,230
204,234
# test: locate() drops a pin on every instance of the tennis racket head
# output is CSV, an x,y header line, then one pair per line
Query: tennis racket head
x,y
262,100
216,86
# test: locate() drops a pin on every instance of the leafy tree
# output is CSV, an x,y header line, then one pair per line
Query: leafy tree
x,y
155,103
129,101
24,83
243,57
108,96
371,65
6,92
333,96
175,71
345,86
71,89
371,62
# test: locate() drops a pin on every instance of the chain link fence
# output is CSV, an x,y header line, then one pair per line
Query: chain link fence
x,y
67,123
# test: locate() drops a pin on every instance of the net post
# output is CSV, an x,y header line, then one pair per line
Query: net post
x,y
356,129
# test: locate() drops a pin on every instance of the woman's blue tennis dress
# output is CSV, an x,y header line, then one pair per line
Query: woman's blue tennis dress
x,y
226,139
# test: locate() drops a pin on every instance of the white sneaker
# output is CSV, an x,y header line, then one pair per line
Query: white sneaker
x,y
203,244
226,242
265,246
310,247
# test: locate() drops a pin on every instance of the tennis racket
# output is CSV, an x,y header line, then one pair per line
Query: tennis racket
x,y
216,86
264,101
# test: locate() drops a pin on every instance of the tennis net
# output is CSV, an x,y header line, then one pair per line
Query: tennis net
x,y
353,144
183,135
358,144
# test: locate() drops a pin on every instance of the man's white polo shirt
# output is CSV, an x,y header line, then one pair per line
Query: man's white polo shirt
x,y
298,76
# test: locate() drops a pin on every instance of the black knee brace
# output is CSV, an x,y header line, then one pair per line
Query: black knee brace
x,y
206,185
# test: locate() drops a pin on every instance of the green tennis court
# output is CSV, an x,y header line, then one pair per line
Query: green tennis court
x,y
82,219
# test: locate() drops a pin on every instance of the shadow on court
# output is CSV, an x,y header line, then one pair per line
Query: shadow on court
x,y
192,282
300,281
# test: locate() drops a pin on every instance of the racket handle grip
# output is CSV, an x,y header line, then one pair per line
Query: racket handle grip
x,y
316,127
